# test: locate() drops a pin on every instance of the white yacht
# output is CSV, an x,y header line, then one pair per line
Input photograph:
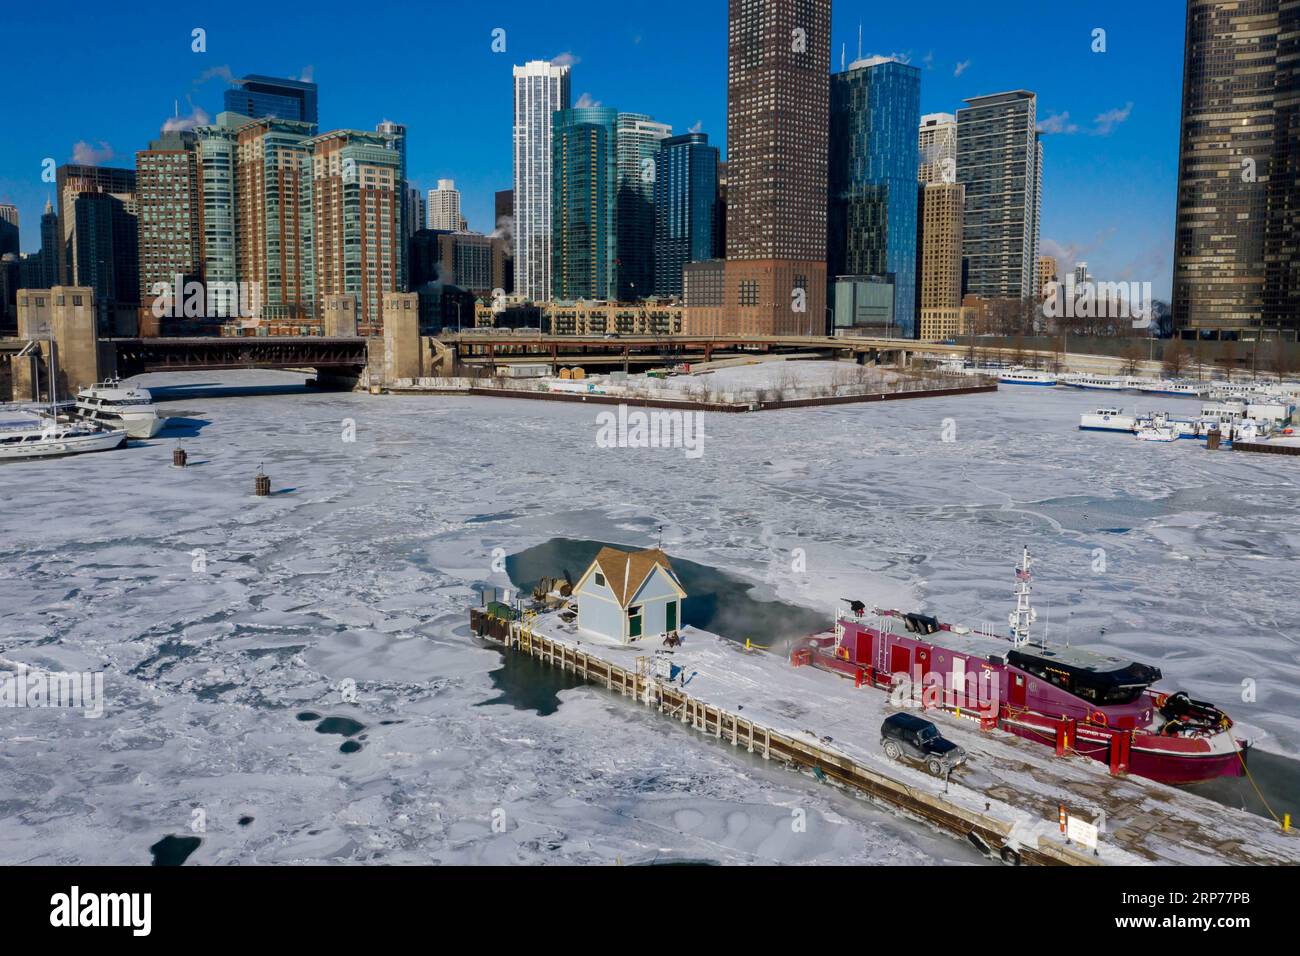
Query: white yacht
x,y
1026,376
120,406
1168,387
1108,419
1097,382
27,434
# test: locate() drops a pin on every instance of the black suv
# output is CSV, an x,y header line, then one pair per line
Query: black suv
x,y
906,735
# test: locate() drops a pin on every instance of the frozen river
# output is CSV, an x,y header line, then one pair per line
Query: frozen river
x,y
291,679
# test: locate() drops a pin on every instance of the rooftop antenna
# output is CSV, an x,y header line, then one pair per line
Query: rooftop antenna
x,y
842,48
660,545
859,40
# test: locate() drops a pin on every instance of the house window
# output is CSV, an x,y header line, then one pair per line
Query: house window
x,y
634,621
600,579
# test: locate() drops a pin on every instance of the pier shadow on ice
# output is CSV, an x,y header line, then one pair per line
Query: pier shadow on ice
x,y
717,602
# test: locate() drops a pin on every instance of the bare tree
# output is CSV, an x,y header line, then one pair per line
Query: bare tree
x,y
1132,356
1280,360
1227,358
1175,358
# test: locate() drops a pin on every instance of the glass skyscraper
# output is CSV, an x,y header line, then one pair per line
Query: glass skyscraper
x,y
637,150
267,96
685,194
875,107
584,172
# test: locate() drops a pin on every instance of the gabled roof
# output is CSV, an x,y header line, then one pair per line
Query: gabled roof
x,y
625,571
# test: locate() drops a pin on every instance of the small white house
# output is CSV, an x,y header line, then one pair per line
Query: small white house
x,y
625,596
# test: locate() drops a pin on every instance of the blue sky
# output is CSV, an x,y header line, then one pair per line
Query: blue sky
x,y
106,77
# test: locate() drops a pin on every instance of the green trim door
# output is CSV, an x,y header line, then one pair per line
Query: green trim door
x,y
634,622
670,618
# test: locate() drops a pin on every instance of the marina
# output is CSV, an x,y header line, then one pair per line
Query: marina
x,y
1012,798
350,571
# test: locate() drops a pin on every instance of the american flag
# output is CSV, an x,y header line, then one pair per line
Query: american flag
x,y
1022,574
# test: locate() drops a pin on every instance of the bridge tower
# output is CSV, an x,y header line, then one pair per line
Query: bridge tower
x,y
341,316
68,312
402,345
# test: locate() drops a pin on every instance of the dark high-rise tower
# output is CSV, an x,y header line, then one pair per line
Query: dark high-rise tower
x,y
686,194
266,96
778,83
98,240
1237,242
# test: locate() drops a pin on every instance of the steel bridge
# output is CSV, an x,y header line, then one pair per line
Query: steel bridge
x,y
135,356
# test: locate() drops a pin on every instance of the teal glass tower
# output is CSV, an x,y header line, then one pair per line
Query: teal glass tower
x,y
584,174
872,209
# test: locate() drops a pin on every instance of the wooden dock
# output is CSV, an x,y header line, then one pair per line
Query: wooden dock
x,y
1008,802
1266,448
716,722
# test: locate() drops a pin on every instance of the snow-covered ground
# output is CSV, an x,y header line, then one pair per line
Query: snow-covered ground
x,y
774,380
219,618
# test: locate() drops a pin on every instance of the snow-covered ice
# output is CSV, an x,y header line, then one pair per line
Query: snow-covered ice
x,y
218,618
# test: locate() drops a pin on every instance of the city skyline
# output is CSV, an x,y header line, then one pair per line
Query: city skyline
x,y
1110,119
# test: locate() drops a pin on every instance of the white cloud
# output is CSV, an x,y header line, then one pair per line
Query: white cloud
x,y
566,59
88,155
928,60
1107,121
222,72
198,117
586,101
899,57
961,68
697,127
1058,123
306,75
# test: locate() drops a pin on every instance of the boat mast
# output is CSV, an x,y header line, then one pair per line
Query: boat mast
x,y
1023,615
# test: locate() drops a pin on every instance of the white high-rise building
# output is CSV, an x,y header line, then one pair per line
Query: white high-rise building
x,y
541,88
1000,162
443,208
937,144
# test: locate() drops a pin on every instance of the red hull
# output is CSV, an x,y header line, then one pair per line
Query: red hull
x,y
1171,760
1149,755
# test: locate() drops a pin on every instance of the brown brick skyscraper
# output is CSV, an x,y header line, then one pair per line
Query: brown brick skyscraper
x,y
778,92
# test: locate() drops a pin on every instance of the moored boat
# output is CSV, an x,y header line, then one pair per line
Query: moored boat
x,y
1107,419
120,406
44,436
1078,701
1026,376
